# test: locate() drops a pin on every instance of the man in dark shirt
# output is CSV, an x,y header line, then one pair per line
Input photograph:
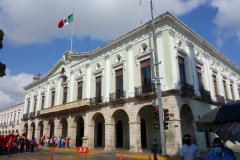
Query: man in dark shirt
x,y
155,149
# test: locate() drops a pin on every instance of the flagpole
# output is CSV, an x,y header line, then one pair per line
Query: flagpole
x,y
72,33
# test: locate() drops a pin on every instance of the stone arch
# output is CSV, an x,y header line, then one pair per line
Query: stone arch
x,y
64,124
13,132
32,128
51,125
9,132
79,124
40,127
146,117
17,132
121,120
188,125
6,133
98,120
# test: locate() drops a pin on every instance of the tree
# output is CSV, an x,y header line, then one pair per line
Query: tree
x,y
2,66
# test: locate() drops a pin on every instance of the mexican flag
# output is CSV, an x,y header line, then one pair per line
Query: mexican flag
x,y
65,21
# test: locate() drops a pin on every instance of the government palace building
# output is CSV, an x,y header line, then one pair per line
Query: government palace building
x,y
106,98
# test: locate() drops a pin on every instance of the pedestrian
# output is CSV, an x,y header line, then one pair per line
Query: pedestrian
x,y
33,142
9,150
41,146
47,142
59,142
50,140
62,142
155,149
27,145
22,143
67,143
218,151
189,151
53,141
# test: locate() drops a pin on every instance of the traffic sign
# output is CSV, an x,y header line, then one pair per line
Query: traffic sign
x,y
82,150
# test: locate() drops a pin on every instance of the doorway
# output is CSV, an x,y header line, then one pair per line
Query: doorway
x,y
120,134
143,133
99,134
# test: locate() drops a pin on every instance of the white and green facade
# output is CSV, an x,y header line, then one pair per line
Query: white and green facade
x,y
106,97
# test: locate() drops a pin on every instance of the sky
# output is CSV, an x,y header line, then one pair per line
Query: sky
x,y
33,42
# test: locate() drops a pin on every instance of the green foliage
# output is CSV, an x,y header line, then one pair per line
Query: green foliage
x,y
2,69
1,38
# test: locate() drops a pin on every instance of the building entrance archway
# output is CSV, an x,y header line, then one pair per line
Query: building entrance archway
x,y
99,130
33,129
188,125
119,132
64,127
79,131
143,133
40,127
26,129
52,126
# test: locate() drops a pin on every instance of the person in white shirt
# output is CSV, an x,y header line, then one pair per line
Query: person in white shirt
x,y
189,151
50,142
59,142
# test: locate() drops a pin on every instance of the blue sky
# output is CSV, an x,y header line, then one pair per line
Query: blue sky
x,y
33,43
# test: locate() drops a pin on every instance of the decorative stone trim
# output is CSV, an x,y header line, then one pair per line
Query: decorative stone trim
x,y
159,34
180,50
98,71
199,62
129,47
107,56
214,70
88,64
142,54
224,76
172,33
231,80
35,96
52,88
43,92
64,84
189,44
206,56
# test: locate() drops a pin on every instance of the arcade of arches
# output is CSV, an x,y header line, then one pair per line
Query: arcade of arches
x,y
129,125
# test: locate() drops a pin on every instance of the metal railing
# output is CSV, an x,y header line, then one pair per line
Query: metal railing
x,y
187,88
11,123
220,98
96,100
117,95
205,94
229,100
31,114
17,121
25,115
38,113
144,89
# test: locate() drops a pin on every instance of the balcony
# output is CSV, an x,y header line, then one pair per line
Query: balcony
x,y
32,114
117,95
66,108
141,90
25,115
11,123
229,100
38,113
205,94
187,88
220,99
96,100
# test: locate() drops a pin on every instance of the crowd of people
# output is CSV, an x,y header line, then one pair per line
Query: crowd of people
x,y
16,144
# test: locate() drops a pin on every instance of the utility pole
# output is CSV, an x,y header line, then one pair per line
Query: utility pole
x,y
159,93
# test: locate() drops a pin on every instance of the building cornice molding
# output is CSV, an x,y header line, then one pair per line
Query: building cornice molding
x,y
142,54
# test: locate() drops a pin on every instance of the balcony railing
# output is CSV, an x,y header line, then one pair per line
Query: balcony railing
x,y
229,100
32,114
117,95
38,113
144,89
205,94
96,100
11,123
25,115
187,88
5,124
220,98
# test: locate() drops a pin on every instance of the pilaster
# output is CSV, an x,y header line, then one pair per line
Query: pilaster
x,y
91,136
130,71
109,137
107,79
135,137
37,135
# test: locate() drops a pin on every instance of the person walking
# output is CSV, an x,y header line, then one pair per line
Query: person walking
x,y
155,149
225,149
47,142
59,142
62,140
41,146
50,141
189,151
22,143
53,142
67,143
219,152
33,142
27,145
9,149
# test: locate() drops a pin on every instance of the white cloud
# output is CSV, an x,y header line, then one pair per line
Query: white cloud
x,y
11,88
227,20
26,21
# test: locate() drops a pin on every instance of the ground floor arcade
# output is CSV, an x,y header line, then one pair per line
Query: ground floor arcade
x,y
124,125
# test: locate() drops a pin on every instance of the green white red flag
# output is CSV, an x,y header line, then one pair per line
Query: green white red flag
x,y
65,21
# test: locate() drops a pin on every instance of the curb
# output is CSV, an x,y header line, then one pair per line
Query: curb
x,y
146,157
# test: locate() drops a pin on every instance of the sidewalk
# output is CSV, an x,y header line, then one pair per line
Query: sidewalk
x,y
139,155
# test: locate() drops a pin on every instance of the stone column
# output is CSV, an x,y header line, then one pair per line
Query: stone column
x,y
91,136
29,135
109,137
72,135
37,135
58,131
46,132
135,137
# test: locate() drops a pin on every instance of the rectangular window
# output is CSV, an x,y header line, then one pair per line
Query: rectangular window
x,y
119,83
80,89
233,98
65,95
199,74
145,72
225,89
35,105
43,99
28,106
98,86
53,98
181,69
215,84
